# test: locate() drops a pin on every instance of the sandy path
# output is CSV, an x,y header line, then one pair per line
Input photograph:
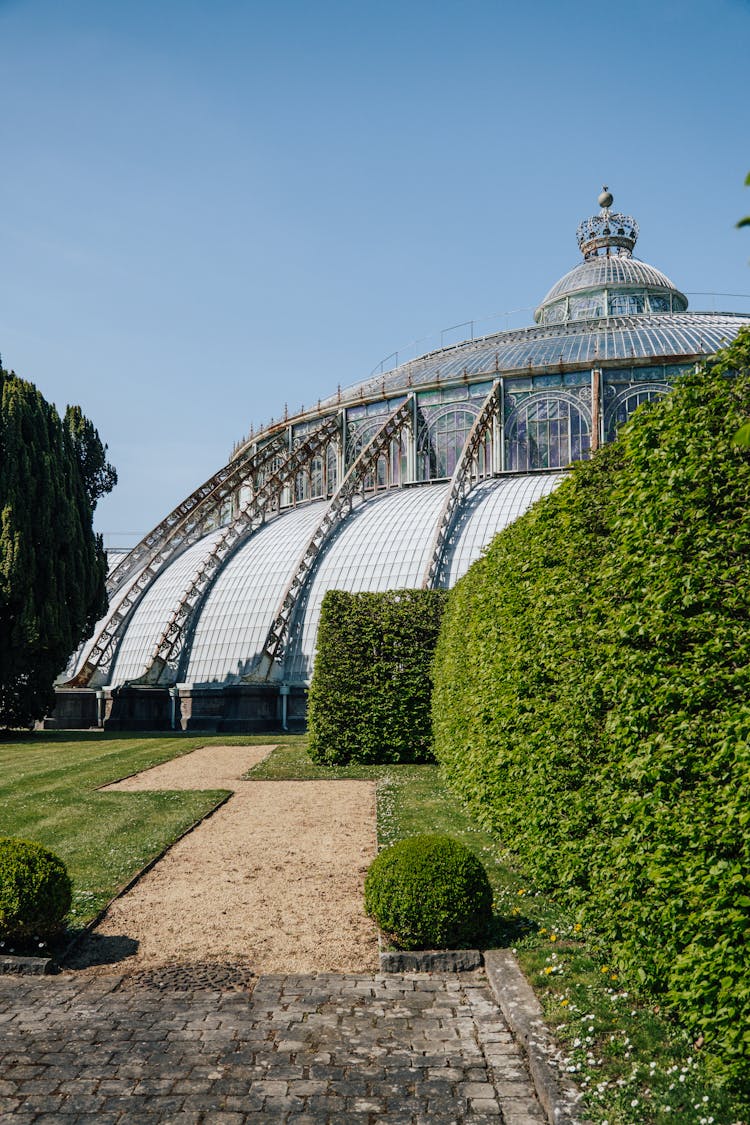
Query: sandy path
x,y
273,878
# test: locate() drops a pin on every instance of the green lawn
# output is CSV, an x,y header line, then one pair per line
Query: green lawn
x,y
637,1067
48,785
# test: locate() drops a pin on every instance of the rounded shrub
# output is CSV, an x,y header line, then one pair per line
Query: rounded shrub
x,y
429,892
35,891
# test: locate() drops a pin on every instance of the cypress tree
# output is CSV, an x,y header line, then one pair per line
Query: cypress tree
x,y
52,566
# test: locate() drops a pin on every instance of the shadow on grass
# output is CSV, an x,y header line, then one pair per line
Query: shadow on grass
x,y
504,932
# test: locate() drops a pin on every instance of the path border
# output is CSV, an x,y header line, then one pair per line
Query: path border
x,y
559,1097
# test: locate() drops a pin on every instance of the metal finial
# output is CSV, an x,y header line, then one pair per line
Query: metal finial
x,y
606,198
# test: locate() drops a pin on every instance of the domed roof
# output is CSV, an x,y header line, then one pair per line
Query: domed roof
x,y
608,275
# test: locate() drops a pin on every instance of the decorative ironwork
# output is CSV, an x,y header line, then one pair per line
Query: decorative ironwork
x,y
608,231
250,517
187,521
336,512
621,406
462,482
181,527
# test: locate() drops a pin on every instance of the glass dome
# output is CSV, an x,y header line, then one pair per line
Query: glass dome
x,y
609,281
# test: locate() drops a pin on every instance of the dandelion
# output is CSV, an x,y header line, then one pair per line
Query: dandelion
x,y
553,937
565,1003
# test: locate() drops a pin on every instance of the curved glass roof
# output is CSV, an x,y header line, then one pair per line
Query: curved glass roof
x,y
153,610
490,506
609,308
610,273
235,619
532,351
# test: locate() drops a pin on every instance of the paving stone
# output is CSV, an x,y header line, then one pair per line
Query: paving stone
x,y
196,1046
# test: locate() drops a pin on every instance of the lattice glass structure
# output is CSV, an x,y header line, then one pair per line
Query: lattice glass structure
x,y
398,481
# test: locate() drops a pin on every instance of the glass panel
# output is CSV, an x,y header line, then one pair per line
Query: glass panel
x,y
626,304
441,441
546,433
583,308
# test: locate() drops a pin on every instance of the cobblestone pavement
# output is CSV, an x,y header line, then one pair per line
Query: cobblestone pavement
x,y
195,1045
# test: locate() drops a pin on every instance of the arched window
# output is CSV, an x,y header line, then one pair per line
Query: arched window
x,y
441,441
547,433
623,406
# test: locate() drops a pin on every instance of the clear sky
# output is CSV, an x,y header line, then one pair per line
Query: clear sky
x,y
211,209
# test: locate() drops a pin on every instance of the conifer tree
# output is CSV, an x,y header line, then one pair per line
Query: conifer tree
x,y
52,566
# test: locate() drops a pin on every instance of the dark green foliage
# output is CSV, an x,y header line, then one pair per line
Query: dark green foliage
x,y
52,567
98,476
370,693
592,688
35,892
429,892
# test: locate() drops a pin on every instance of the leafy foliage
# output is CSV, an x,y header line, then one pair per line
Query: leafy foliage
x,y
591,686
35,891
429,892
370,693
52,567
98,476
746,221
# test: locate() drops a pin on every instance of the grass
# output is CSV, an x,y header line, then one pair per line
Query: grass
x,y
635,1066
48,785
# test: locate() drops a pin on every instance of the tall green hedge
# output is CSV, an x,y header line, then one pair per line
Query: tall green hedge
x,y
52,565
372,682
592,698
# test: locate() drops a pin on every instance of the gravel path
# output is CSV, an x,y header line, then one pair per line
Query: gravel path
x,y
273,879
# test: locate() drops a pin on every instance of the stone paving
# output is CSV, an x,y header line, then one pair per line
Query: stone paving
x,y
196,1045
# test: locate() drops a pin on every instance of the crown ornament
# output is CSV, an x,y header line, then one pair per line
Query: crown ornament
x,y
608,234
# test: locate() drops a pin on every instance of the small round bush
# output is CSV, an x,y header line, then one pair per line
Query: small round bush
x,y
429,892
35,891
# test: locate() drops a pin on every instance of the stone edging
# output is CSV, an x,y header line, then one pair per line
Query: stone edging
x,y
25,966
428,960
559,1097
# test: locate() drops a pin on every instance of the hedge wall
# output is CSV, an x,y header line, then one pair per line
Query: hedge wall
x,y
372,682
592,698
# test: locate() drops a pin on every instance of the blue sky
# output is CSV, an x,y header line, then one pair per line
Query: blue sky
x,y
208,210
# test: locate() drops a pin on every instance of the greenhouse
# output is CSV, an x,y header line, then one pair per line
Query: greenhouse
x,y
399,481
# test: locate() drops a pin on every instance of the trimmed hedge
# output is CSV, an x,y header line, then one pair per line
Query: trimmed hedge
x,y
592,699
35,891
372,682
429,892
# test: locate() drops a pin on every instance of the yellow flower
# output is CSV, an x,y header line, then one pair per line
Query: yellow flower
x,y
605,969
577,927
553,937
543,930
613,977
565,1003
548,970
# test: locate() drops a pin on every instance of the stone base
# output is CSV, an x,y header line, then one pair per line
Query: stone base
x,y
215,709
133,707
75,709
